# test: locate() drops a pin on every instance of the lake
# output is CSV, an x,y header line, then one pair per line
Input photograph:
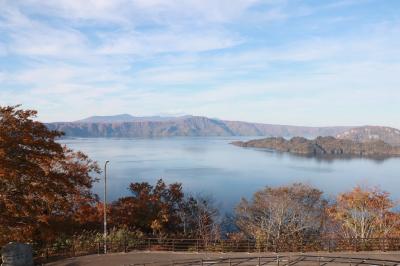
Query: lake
x,y
211,166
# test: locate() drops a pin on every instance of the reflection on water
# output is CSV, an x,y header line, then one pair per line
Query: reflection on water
x,y
311,169
212,166
327,157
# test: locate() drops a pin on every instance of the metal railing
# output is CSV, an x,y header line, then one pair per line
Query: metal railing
x,y
285,260
78,248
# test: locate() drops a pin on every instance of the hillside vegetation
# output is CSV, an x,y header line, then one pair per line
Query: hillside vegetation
x,y
324,146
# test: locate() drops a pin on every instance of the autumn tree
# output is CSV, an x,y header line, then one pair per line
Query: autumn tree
x,y
199,217
151,209
163,210
282,214
42,183
364,213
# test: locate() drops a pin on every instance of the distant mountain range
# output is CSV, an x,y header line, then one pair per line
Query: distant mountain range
x,y
122,118
127,126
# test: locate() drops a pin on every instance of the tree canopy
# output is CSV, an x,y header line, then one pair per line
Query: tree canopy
x,y
287,213
163,210
42,183
364,213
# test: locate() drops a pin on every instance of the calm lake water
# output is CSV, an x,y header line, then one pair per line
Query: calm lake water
x,y
211,166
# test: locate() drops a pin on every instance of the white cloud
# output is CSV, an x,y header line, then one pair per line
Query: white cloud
x,y
53,74
36,38
162,42
47,42
205,57
96,10
62,39
174,76
122,11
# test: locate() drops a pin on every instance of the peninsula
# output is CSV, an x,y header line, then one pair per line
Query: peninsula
x,y
321,146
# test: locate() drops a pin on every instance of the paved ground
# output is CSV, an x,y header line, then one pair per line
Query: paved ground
x,y
125,259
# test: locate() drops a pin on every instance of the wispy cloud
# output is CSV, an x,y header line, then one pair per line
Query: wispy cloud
x,y
175,41
264,61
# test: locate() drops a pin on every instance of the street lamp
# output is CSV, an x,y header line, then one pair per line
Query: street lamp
x,y
105,207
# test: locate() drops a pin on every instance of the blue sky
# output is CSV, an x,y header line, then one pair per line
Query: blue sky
x,y
282,61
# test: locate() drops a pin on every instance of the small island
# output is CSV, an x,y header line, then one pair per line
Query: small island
x,y
324,146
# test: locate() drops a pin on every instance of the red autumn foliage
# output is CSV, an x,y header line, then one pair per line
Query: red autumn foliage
x,y
152,210
42,183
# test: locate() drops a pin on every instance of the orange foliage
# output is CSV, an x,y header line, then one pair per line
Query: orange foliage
x,y
42,183
152,210
365,213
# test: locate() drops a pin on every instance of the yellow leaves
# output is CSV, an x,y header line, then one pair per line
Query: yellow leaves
x,y
165,218
156,225
363,212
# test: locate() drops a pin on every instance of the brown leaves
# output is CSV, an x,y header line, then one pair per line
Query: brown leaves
x,y
40,180
163,210
151,209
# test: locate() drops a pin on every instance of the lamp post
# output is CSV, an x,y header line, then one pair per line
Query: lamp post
x,y
105,207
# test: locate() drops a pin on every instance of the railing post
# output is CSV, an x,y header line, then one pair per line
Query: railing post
x,y
384,244
197,245
329,246
173,245
98,248
248,245
73,247
356,244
